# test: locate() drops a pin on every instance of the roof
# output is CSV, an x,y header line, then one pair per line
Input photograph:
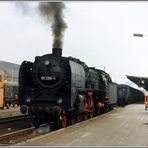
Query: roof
x,y
140,81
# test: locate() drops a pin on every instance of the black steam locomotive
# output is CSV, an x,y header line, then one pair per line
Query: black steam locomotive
x,y
127,95
61,89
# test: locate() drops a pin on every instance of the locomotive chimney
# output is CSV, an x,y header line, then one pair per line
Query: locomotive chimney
x,y
57,52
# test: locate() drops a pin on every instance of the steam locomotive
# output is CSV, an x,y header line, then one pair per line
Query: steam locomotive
x,y
61,90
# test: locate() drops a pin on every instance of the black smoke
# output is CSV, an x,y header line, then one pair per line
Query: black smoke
x,y
53,12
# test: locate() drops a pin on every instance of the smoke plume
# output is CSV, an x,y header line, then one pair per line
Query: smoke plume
x,y
52,12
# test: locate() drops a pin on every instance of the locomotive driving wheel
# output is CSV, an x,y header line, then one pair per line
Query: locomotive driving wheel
x,y
90,114
79,118
63,118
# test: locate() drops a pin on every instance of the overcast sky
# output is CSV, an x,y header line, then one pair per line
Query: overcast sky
x,y
98,33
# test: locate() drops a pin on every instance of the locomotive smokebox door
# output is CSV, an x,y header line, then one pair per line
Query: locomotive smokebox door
x,y
57,52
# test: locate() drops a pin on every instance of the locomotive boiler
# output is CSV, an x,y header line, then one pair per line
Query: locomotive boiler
x,y
61,89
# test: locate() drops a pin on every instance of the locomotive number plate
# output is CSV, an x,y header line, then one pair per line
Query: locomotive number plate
x,y
47,78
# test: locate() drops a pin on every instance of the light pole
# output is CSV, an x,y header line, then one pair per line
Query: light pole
x,y
141,82
139,34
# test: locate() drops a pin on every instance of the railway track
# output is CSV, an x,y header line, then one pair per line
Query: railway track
x,y
12,137
19,128
12,118
23,135
12,124
17,136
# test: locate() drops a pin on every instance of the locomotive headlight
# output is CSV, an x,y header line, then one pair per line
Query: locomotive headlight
x,y
28,100
59,101
46,62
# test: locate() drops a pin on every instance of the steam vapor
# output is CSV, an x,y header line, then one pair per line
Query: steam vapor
x,y
52,12
23,7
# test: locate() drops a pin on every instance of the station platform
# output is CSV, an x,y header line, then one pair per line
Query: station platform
x,y
126,126
12,111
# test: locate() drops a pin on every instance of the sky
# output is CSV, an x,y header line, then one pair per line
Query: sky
x,y
98,33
